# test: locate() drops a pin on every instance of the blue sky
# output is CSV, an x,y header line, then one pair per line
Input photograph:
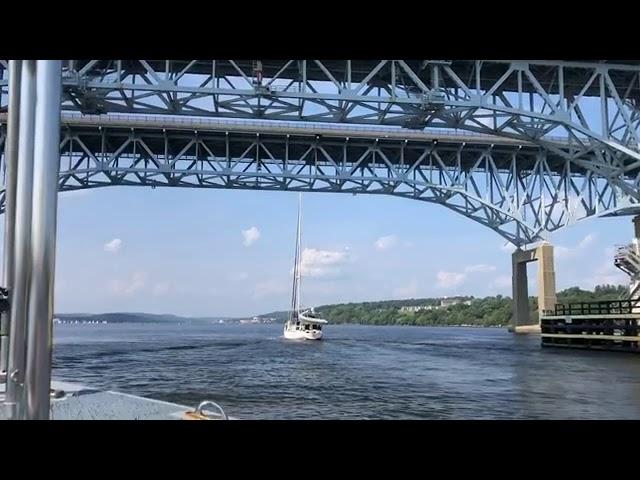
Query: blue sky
x,y
220,252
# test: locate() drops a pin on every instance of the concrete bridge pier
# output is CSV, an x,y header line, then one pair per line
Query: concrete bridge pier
x,y
543,254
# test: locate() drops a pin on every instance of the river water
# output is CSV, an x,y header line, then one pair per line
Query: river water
x,y
357,372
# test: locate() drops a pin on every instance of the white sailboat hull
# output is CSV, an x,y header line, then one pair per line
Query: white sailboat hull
x,y
302,334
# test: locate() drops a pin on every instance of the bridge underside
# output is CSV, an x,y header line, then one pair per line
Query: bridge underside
x,y
594,104
556,140
520,191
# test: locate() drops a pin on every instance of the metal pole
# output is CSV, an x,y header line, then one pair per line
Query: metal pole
x,y
46,167
21,266
11,162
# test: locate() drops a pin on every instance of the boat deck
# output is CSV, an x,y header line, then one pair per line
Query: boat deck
x,y
80,402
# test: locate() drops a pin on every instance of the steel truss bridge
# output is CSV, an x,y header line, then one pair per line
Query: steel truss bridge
x,y
523,147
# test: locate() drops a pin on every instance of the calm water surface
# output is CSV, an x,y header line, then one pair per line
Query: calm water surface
x,y
357,372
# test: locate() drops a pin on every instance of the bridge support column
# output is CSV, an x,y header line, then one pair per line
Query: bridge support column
x,y
546,279
521,322
520,284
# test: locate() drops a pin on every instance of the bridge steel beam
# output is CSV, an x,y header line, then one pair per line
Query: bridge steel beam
x,y
520,191
592,103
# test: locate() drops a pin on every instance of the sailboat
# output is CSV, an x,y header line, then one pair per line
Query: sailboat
x,y
301,325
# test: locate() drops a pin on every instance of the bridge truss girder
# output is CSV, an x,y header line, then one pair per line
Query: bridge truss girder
x,y
521,192
593,104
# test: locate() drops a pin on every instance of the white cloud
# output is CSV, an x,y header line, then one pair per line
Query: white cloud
x,y
561,252
113,246
269,288
586,241
386,242
449,279
129,286
251,236
480,268
322,263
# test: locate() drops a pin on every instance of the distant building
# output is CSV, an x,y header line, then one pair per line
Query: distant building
x,y
416,308
256,320
447,302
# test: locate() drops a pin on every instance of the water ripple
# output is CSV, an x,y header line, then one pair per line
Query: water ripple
x,y
356,373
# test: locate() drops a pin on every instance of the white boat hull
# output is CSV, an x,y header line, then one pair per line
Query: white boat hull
x,y
302,334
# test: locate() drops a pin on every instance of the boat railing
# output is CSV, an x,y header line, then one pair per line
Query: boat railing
x,y
597,307
208,403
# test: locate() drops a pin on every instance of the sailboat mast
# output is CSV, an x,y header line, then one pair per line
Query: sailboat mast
x,y
296,267
299,252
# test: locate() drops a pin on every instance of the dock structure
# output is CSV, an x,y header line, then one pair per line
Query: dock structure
x,y
603,325
599,325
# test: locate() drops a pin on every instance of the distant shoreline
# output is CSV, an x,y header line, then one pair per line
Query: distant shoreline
x,y
406,325
205,322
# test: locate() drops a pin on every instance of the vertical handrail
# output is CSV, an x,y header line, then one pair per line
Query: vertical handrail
x,y
43,239
22,259
11,164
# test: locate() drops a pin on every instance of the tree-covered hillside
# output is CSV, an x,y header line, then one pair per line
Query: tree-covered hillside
x,y
488,311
